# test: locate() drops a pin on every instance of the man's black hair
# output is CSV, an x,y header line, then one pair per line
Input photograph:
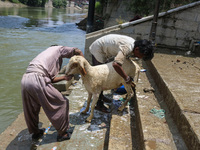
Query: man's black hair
x,y
146,48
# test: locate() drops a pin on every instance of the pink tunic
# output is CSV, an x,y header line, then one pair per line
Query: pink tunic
x,y
37,90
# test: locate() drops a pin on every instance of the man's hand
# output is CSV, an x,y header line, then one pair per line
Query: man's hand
x,y
69,77
78,52
60,78
129,80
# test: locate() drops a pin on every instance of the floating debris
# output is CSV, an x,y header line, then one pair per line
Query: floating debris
x,y
93,128
173,52
117,103
116,97
121,99
121,90
143,70
151,90
24,137
47,129
188,53
54,148
158,113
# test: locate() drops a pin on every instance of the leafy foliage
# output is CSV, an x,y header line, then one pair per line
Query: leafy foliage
x,y
41,3
59,3
144,7
35,3
14,1
98,8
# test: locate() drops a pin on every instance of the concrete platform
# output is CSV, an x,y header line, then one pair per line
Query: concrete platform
x,y
170,83
176,74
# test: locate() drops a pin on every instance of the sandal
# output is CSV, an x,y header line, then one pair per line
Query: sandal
x,y
37,136
102,108
66,136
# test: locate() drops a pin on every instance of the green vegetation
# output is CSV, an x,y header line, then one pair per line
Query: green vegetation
x,y
144,7
139,7
14,1
59,3
98,8
41,3
34,3
120,20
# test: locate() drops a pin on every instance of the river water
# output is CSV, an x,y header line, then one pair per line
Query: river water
x,y
24,33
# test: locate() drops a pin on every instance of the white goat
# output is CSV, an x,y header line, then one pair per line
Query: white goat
x,y
101,77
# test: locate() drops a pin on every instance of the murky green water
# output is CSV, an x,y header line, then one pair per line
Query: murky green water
x,y
24,33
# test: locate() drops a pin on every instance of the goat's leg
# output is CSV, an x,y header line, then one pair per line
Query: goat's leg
x,y
95,99
88,103
129,95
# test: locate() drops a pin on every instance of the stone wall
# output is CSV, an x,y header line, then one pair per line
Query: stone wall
x,y
117,12
177,28
180,29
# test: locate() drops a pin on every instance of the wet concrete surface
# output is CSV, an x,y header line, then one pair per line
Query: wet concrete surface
x,y
174,78
94,135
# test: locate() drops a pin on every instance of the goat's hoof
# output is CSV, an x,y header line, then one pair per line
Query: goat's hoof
x,y
121,108
88,121
84,112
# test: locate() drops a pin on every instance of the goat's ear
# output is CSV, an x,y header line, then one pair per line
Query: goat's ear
x,y
83,72
82,69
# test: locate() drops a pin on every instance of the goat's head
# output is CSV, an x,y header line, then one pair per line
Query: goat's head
x,y
76,65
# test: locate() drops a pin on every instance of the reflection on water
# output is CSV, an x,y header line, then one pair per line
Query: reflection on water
x,y
25,32
38,17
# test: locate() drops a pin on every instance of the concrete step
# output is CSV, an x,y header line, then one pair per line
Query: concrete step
x,y
177,78
16,136
120,135
85,135
158,131
138,128
135,128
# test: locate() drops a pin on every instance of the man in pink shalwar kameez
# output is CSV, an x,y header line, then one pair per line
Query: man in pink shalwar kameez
x,y
37,91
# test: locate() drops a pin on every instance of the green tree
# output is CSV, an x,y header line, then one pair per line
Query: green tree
x,y
34,3
14,1
41,3
59,3
144,7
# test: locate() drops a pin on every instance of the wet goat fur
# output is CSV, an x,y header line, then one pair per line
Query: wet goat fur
x,y
101,77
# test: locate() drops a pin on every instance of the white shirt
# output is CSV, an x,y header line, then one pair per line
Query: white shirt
x,y
110,45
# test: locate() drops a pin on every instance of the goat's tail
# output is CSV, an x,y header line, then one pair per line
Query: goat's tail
x,y
137,74
137,71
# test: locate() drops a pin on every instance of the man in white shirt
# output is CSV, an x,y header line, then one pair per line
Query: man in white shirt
x,y
120,47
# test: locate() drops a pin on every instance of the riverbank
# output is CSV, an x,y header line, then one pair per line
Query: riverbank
x,y
9,4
